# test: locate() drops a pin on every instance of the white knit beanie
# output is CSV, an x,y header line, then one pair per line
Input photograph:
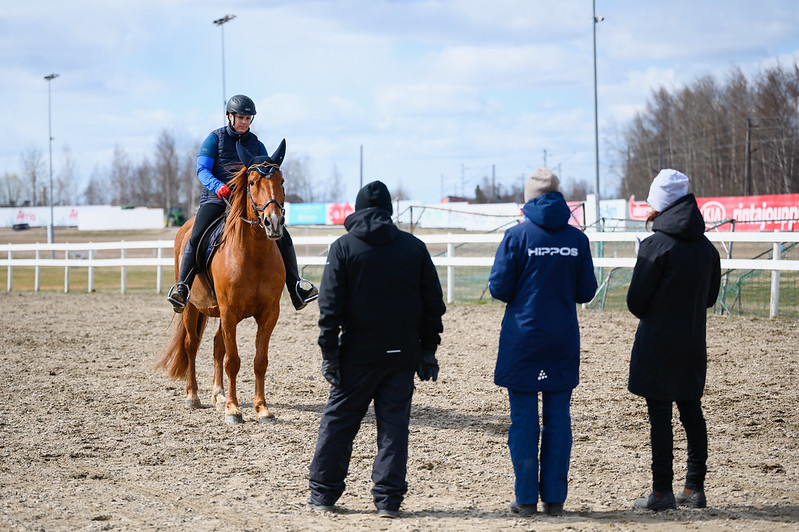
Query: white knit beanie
x,y
669,186
541,182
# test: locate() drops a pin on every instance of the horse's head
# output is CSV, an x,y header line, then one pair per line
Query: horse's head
x,y
264,182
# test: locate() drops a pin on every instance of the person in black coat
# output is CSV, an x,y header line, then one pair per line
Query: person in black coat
x,y
380,308
676,279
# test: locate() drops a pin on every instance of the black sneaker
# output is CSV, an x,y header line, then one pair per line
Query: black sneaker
x,y
387,514
694,499
311,505
553,508
179,295
523,510
305,292
656,504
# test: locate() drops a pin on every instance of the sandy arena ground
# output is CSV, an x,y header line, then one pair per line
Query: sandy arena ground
x,y
94,439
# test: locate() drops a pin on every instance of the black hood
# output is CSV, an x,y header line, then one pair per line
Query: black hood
x,y
681,219
372,225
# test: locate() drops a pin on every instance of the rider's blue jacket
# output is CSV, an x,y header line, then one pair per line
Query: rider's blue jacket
x,y
218,161
542,269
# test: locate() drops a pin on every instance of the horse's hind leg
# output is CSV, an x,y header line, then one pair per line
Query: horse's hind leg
x,y
195,324
218,391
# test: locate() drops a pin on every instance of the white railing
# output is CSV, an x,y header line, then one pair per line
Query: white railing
x,y
84,255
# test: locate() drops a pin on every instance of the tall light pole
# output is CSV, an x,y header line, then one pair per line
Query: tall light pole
x,y
221,23
596,124
50,229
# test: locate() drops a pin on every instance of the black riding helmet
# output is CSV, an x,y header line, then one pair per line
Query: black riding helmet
x,y
241,105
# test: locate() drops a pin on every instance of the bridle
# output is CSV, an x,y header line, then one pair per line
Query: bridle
x,y
265,169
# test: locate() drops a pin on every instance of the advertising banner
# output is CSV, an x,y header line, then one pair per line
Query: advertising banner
x,y
775,212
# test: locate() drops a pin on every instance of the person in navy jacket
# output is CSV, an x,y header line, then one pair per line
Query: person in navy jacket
x,y
542,269
675,280
217,162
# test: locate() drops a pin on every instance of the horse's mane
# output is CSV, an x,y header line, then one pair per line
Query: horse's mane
x,y
238,206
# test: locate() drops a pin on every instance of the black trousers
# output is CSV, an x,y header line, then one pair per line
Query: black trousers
x,y
662,438
391,390
206,214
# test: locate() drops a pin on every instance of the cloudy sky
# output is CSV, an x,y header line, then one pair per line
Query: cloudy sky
x,y
439,93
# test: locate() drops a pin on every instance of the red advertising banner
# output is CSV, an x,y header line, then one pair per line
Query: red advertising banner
x,y
337,212
775,212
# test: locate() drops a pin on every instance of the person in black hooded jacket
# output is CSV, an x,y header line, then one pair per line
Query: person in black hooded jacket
x,y
380,308
676,279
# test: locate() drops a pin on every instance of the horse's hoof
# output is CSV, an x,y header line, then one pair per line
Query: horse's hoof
x,y
234,419
267,419
193,403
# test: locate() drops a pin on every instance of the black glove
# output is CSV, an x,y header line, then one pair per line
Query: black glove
x,y
428,368
332,372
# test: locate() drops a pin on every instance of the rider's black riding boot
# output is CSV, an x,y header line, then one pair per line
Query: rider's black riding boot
x,y
301,291
179,293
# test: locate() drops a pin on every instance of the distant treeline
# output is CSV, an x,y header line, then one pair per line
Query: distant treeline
x,y
736,138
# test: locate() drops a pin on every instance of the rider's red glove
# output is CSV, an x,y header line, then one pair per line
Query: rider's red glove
x,y
223,192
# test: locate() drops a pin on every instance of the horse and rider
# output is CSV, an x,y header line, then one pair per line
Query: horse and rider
x,y
217,162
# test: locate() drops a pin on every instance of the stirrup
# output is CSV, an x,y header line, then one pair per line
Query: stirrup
x,y
304,295
175,296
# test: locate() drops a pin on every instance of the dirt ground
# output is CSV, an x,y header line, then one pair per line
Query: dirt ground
x,y
93,439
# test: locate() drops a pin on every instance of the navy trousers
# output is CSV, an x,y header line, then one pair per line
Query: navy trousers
x,y
662,438
550,479
391,389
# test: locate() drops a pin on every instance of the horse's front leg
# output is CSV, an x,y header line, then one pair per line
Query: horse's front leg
x,y
218,386
266,324
232,364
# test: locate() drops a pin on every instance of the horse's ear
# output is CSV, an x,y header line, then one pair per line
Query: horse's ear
x,y
280,153
244,156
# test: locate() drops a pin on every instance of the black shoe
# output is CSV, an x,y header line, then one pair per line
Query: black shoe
x,y
304,293
656,504
695,499
523,510
553,508
388,514
179,295
311,505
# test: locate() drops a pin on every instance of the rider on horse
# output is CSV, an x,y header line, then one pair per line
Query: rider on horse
x,y
217,162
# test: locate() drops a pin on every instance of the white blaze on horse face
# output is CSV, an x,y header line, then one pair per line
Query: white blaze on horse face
x,y
273,223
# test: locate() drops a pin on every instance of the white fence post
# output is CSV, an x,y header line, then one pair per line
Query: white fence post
x,y
90,288
66,271
776,254
37,272
8,283
450,274
160,272
124,280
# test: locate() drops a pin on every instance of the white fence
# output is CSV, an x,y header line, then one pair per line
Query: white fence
x,y
83,255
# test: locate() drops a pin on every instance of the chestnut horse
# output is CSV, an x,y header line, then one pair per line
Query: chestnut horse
x,y
247,274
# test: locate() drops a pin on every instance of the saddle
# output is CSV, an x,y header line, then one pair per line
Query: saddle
x,y
210,240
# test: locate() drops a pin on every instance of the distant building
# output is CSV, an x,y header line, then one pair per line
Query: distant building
x,y
455,199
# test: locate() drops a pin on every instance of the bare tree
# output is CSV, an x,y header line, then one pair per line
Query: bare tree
x,y
32,164
99,190
576,190
399,192
64,185
335,187
166,169
143,188
120,177
298,184
735,138
12,188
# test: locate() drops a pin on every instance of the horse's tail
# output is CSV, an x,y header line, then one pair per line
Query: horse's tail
x,y
175,360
